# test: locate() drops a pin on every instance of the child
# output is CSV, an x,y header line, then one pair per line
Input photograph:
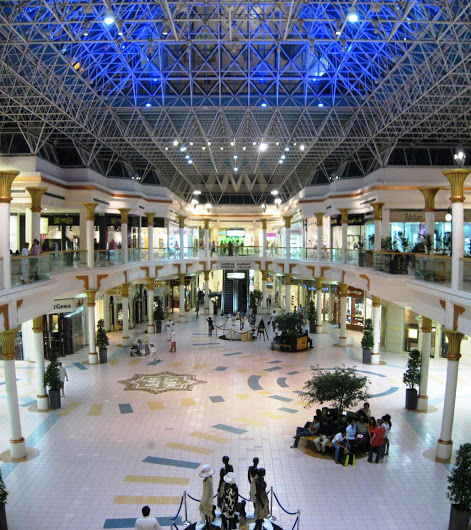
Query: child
x,y
173,342
153,353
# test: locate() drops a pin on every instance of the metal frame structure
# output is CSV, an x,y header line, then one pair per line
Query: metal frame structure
x,y
222,78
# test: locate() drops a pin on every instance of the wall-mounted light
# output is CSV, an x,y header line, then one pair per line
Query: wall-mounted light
x,y
459,156
208,206
277,202
264,207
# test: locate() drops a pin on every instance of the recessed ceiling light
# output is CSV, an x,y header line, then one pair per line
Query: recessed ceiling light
x,y
277,143
232,143
190,161
166,149
191,143
187,157
282,157
203,148
263,104
244,148
235,157
320,104
148,104
254,143
175,143
280,161
183,149
262,147
274,192
302,147
236,169
209,143
222,148
286,148
197,192
294,143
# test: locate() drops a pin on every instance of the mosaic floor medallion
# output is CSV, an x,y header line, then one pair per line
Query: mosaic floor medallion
x,y
161,382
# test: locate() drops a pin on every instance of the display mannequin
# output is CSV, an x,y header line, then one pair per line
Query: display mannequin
x,y
252,476
206,504
261,500
225,469
229,501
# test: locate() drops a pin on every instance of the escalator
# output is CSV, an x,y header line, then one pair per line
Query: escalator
x,y
235,292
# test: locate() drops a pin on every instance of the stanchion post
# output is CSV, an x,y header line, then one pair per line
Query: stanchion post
x,y
185,522
271,517
299,518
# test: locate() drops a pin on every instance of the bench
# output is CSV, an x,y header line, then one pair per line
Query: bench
x,y
310,440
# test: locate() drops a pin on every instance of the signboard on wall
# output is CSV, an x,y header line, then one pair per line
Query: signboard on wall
x,y
67,304
235,266
354,219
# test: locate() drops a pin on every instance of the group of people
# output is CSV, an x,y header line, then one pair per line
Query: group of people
x,y
363,433
229,248
30,267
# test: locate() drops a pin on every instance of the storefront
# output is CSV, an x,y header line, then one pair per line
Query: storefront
x,y
355,231
60,232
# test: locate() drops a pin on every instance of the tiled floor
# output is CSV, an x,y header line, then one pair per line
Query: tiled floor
x,y
109,451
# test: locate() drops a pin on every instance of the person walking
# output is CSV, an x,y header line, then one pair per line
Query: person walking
x,y
153,353
63,376
197,308
210,326
169,326
145,341
173,342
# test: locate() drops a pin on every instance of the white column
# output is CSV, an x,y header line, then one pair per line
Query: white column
x,y
150,235
41,397
182,299
28,227
331,304
206,238
181,233
139,237
430,222
422,401
375,357
92,355
90,208
457,244
264,238
206,293
17,442
386,223
319,219
344,242
106,312
126,340
288,242
264,292
150,305
319,325
343,314
36,196
445,443
27,339
6,180
377,240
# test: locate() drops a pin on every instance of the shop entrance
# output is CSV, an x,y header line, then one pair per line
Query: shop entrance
x,y
58,334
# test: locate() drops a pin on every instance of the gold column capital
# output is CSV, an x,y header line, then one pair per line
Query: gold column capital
x,y
378,210
91,296
6,180
124,212
264,275
454,344
287,220
289,278
319,218
426,325
376,301
343,290
38,326
36,196
181,221
7,338
150,218
206,223
344,215
150,283
264,224
456,177
125,289
206,276
319,282
429,193
90,207
181,279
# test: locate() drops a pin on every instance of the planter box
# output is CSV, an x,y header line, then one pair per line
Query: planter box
x,y
103,355
312,327
411,399
158,326
3,518
54,399
459,519
366,356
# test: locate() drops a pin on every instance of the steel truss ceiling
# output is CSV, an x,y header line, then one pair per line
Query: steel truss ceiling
x,y
221,76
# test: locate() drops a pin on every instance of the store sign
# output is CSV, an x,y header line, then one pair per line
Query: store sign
x,y
58,220
355,219
235,266
355,292
66,305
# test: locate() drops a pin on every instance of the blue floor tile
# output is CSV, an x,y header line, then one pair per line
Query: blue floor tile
x,y
291,411
216,399
233,353
281,398
220,368
253,382
272,369
171,462
80,366
282,382
125,408
228,428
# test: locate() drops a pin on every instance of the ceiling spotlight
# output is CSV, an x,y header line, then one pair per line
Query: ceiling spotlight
x,y
244,148
148,104
286,149
165,30
277,143
209,143
191,143
85,29
302,147
280,161
459,156
208,206
275,192
175,143
190,161
448,217
183,149
236,169
338,26
232,143
120,33
254,143
277,201
262,147
282,157
263,105
352,14
222,148
194,202
235,157
264,206
109,17
197,192
320,104
203,148
187,157
166,149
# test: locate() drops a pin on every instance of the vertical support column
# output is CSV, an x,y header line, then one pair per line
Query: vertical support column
x,y
289,278
264,238
422,401
378,219
6,180
41,397
456,178
287,220
320,229
343,288
429,193
124,212
206,293
206,237
320,316
181,280
36,196
17,442
445,443
150,235
331,304
126,340
139,238
92,355
106,311
264,291
344,221
386,228
90,208
181,225
150,305
376,329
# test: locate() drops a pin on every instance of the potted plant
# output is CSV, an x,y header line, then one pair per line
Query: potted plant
x,y
459,489
411,378
102,341
3,502
312,317
158,315
292,325
53,382
367,341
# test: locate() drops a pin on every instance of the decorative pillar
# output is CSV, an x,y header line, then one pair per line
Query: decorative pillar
x,y
181,280
206,238
376,329
287,220
331,304
206,293
41,397
90,207
343,291
344,221
288,278
150,235
92,356
17,442
36,196
126,339
139,237
456,178
6,180
319,220
445,443
181,225
386,223
378,218
264,292
429,193
124,212
106,312
264,238
320,316
422,401
150,305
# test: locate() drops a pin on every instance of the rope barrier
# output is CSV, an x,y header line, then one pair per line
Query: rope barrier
x,y
193,499
179,508
279,504
243,498
295,523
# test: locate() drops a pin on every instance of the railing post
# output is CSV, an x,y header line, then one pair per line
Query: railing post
x,y
185,522
299,518
271,517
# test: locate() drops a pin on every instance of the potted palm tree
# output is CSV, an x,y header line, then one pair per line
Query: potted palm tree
x,y
459,489
367,341
53,382
102,341
312,317
158,316
411,378
3,502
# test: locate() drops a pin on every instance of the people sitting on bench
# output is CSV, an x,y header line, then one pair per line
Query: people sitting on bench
x,y
326,433
310,429
276,341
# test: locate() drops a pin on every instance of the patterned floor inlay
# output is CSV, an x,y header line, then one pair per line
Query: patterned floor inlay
x,y
188,402
228,428
150,479
161,382
242,396
250,421
190,448
216,399
220,368
155,405
95,410
131,522
281,381
253,382
291,411
272,415
171,462
67,410
210,437
125,408
281,398
273,368
145,499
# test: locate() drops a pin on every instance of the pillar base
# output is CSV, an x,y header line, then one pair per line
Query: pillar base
x,y
375,358
444,450
150,328
343,341
42,402
182,318
319,328
206,310
422,403
126,341
18,448
92,358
